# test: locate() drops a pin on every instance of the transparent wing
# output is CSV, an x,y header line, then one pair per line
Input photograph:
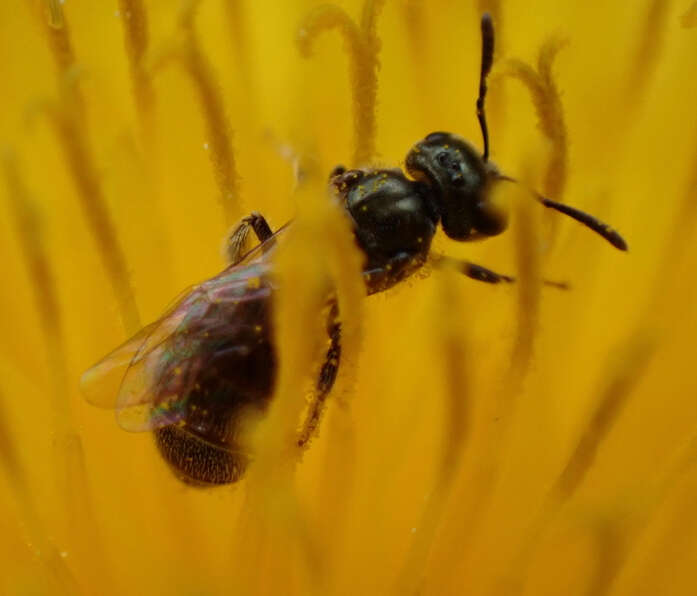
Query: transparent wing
x,y
100,384
149,377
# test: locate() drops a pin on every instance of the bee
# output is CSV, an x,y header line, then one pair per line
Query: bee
x,y
195,376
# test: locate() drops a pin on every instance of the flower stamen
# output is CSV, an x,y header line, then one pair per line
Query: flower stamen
x,y
61,47
73,141
623,378
452,332
528,286
187,50
28,224
363,46
550,113
689,18
135,27
647,54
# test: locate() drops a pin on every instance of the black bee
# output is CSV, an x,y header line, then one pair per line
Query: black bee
x,y
196,375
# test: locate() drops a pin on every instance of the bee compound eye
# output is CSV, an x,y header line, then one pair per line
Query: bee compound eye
x,y
437,137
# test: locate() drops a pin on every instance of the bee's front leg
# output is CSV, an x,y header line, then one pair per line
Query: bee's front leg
x,y
234,246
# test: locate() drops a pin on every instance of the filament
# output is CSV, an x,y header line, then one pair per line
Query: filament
x,y
550,113
135,27
362,45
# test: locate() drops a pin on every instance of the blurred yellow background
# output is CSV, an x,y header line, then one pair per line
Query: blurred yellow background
x,y
493,440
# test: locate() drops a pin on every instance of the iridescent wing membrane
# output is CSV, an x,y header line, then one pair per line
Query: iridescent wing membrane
x,y
149,378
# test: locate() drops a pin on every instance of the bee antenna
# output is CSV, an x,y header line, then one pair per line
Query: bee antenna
x,y
599,227
487,61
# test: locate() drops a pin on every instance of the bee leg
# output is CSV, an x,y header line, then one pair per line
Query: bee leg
x,y
234,247
479,273
390,272
326,379
472,270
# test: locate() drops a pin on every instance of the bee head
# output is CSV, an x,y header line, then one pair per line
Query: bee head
x,y
459,180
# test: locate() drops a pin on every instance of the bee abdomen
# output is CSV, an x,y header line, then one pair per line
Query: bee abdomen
x,y
197,462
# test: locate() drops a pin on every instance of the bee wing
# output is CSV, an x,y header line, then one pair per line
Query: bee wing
x,y
149,377
101,384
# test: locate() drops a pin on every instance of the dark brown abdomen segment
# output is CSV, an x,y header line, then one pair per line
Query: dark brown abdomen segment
x,y
232,387
197,462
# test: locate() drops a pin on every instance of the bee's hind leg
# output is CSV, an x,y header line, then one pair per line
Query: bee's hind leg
x,y
234,246
326,379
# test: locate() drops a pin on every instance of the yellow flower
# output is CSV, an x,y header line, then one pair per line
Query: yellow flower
x,y
480,439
